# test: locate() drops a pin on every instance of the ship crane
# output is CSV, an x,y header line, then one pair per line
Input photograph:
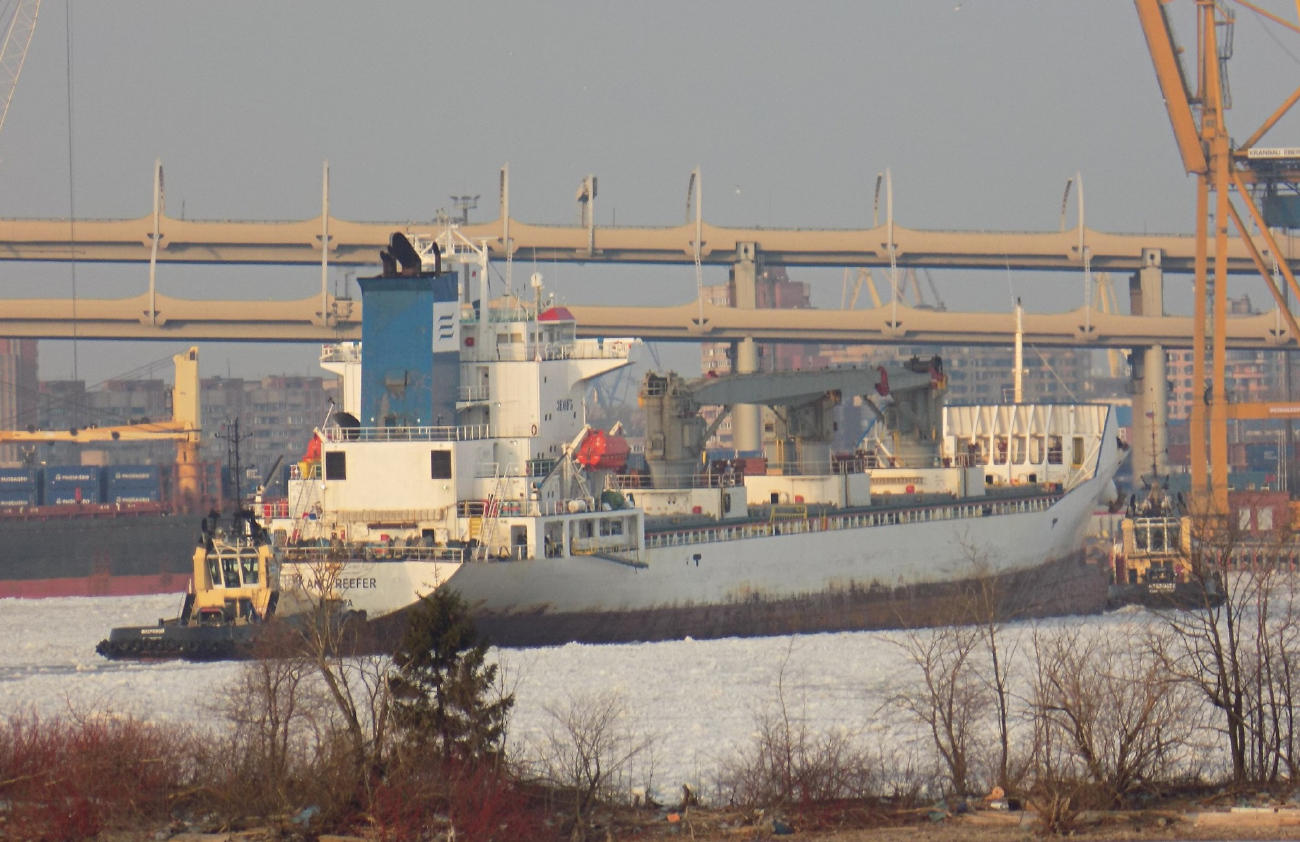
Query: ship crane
x,y
1196,111
183,428
802,402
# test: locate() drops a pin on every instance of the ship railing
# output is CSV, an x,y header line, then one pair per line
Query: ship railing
x,y
313,471
468,432
498,508
829,522
489,470
611,544
498,315
371,552
473,393
632,482
539,351
344,353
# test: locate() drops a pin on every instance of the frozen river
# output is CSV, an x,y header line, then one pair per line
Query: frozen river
x,y
698,699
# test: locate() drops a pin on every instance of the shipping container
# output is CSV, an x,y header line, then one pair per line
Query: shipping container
x,y
126,488
17,478
72,497
133,496
74,474
147,474
66,484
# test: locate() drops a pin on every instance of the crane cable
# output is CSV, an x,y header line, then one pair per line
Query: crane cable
x,y
72,195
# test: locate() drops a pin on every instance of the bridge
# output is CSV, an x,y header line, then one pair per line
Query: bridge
x,y
358,243
299,321
326,241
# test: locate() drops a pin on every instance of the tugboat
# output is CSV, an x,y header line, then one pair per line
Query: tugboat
x,y
1151,565
234,591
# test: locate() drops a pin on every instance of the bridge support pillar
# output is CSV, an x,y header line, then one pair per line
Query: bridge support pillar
x,y
1150,384
746,419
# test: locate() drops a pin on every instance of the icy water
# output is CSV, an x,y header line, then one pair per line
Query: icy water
x,y
697,699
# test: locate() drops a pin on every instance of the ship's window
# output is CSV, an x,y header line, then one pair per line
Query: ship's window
x,y
248,563
1076,458
440,464
1036,450
214,570
230,570
1000,450
1054,450
1018,450
336,465
1158,537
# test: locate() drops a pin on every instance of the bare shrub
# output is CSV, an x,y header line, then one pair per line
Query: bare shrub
x,y
267,762
590,754
1114,708
472,802
77,776
788,764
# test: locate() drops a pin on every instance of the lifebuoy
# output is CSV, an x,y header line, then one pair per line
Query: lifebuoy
x,y
534,429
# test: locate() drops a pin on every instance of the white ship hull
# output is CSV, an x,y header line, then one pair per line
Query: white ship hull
x,y
820,574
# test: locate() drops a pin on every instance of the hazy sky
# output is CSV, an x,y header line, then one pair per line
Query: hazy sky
x,y
982,110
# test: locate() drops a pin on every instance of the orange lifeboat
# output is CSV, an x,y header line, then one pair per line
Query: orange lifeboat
x,y
602,451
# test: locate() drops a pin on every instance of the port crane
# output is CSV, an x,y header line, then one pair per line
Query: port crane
x,y
1197,109
183,428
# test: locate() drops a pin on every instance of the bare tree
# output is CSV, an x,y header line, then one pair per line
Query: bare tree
x,y
1237,646
950,697
984,606
329,638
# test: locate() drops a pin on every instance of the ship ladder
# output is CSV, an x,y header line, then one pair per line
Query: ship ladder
x,y
491,515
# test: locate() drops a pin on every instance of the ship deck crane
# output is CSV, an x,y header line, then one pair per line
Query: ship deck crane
x,y
802,401
1196,111
184,428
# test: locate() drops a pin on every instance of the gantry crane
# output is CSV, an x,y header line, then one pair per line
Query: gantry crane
x,y
1197,113
183,428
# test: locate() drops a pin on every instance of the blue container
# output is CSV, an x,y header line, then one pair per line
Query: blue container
x,y
132,484
128,487
65,484
132,473
133,495
74,484
18,497
73,474
17,478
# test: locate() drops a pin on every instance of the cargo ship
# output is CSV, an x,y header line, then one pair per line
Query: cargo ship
x,y
461,458
91,530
